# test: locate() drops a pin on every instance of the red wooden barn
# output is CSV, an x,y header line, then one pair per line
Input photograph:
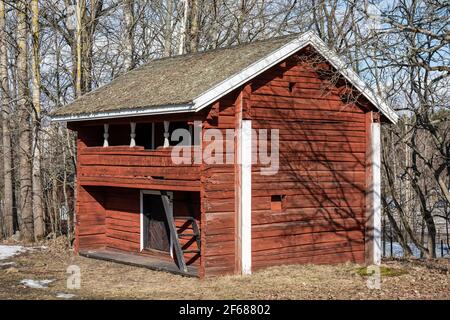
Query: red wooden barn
x,y
136,203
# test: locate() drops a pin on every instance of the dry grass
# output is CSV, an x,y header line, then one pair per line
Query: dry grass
x,y
105,280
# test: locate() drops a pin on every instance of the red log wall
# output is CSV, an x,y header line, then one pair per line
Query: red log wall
x,y
218,198
322,170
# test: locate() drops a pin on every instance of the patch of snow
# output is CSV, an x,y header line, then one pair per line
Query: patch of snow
x,y
9,251
65,295
36,284
4,264
397,250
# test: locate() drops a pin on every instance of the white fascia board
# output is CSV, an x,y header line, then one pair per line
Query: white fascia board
x,y
308,38
167,109
250,72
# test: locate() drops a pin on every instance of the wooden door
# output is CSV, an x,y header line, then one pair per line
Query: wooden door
x,y
157,232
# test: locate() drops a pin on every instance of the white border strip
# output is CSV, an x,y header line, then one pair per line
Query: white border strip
x,y
246,197
376,190
141,215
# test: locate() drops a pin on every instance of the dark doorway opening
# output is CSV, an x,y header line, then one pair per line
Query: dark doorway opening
x,y
156,228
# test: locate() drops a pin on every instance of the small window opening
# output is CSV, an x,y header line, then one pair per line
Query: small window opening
x,y
151,135
276,202
144,133
178,125
291,86
119,135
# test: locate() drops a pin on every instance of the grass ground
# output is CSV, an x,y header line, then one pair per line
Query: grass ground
x,y
105,280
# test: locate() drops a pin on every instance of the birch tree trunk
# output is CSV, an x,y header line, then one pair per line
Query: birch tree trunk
x,y
6,133
25,170
184,28
128,15
80,11
38,209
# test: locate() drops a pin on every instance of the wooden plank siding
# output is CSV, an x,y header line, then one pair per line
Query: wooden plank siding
x,y
321,173
218,198
109,217
90,230
123,219
125,167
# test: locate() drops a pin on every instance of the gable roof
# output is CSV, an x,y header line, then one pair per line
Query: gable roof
x,y
189,83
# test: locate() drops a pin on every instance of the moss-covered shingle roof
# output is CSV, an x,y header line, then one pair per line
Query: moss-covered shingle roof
x,y
171,81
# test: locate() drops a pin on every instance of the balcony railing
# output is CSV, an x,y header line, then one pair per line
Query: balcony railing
x,y
136,165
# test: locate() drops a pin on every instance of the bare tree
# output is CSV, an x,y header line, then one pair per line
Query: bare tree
x,y
128,14
6,113
410,44
184,27
38,210
25,170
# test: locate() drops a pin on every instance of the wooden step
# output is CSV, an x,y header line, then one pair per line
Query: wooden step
x,y
187,235
192,251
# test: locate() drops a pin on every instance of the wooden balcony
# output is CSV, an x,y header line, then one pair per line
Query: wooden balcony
x,y
135,167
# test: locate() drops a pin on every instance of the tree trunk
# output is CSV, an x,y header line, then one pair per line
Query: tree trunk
x,y
401,238
184,27
86,26
194,26
25,170
38,209
8,213
420,193
242,16
128,15
390,184
168,24
80,11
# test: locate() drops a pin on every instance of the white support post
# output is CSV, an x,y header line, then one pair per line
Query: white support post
x,y
246,197
141,220
133,134
376,191
166,134
105,135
